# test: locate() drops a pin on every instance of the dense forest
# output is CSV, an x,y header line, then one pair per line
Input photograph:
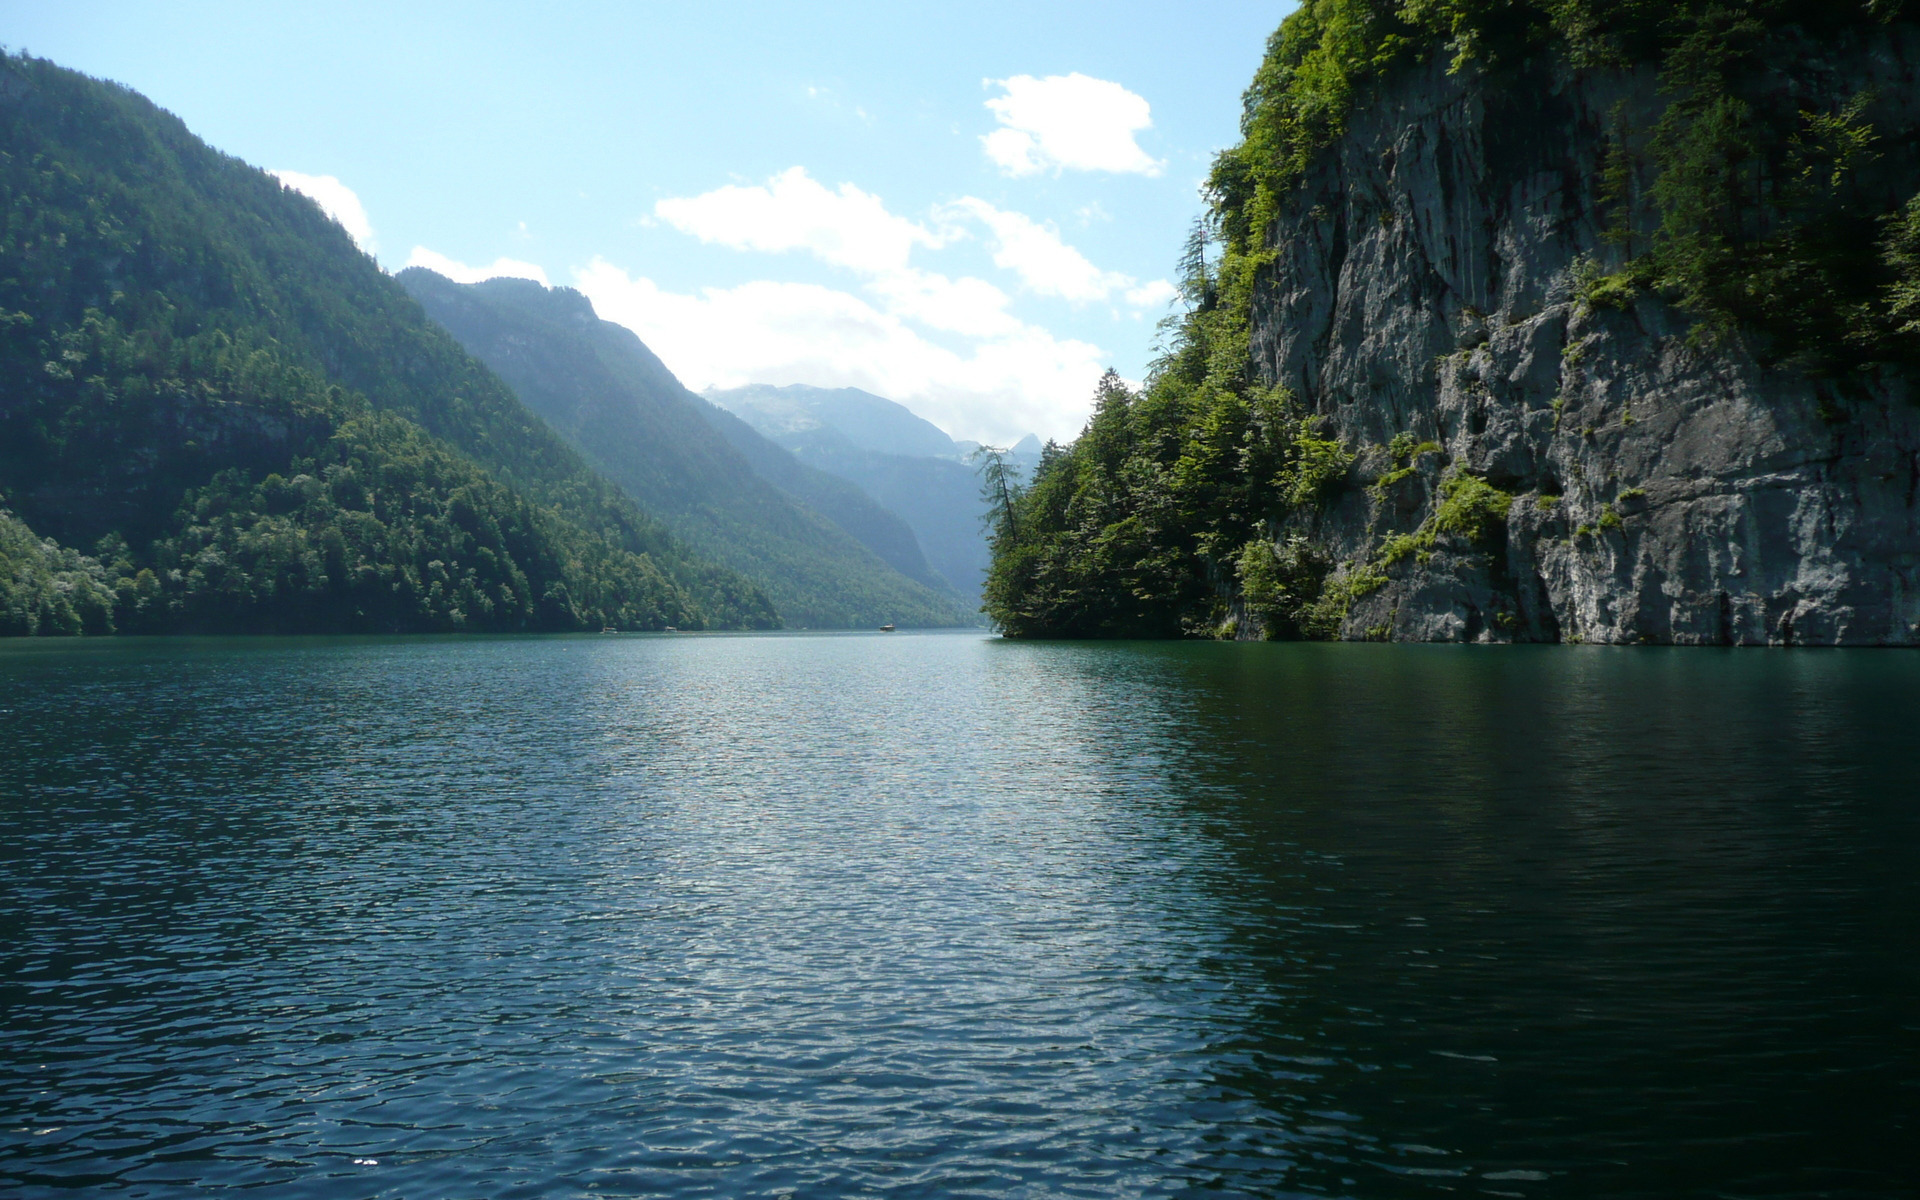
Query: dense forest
x,y
1792,227
219,414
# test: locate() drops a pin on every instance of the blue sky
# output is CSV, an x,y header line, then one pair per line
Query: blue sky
x,y
970,208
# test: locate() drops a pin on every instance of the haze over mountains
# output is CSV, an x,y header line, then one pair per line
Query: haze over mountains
x,y
221,416
826,553
905,462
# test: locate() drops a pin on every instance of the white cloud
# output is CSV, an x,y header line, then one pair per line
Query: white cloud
x,y
854,229
335,199
460,272
1089,213
1036,254
1152,295
951,348
1068,122
848,227
1016,378
1047,265
967,306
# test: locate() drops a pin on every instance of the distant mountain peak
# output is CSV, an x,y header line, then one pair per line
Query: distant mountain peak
x,y
827,553
868,421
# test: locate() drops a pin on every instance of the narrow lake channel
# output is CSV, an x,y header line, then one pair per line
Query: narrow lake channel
x,y
943,915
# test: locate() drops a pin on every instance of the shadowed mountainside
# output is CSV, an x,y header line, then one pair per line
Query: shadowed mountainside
x,y
902,460
828,555
220,415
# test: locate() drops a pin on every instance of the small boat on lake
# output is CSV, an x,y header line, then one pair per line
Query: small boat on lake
x,y
888,628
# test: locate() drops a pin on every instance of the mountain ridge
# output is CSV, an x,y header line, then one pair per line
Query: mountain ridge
x,y
613,399
228,416
860,437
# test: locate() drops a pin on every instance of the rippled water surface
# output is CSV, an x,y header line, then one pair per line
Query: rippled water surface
x,y
945,915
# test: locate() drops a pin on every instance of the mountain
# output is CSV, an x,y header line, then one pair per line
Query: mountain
x,y
1572,323
827,554
220,415
1024,455
865,420
874,526
905,462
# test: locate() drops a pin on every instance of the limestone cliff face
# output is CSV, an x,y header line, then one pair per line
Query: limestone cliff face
x,y
1665,490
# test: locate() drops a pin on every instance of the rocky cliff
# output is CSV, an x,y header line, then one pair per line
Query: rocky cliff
x,y
1438,301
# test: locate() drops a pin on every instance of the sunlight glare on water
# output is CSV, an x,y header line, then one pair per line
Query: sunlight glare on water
x,y
932,915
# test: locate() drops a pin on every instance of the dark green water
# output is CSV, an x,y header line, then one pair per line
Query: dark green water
x,y
944,915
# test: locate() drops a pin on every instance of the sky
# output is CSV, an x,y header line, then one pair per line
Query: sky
x,y
973,209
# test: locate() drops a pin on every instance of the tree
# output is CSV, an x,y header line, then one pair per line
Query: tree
x,y
1000,488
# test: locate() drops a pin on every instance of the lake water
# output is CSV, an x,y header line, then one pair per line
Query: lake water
x,y
945,915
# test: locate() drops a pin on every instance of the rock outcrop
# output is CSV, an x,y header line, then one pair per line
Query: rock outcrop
x,y
1666,487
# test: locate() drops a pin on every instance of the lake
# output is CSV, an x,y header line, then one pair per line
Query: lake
x,y
944,915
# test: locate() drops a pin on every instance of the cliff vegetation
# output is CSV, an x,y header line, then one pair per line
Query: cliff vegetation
x,y
1778,219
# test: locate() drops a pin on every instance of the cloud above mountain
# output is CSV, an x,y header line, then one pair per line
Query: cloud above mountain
x,y
460,272
335,199
1068,123
995,386
949,344
843,226
1035,252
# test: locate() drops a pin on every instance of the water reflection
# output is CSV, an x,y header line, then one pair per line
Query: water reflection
x,y
945,915
1632,922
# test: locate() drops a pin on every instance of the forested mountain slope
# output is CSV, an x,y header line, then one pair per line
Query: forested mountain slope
x,y
228,418
1570,321
601,388
906,463
872,524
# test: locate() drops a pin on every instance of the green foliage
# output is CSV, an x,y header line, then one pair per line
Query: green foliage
x,y
1400,545
1323,618
1900,250
1600,289
1405,453
178,330
1291,591
1768,211
1139,530
1765,202
1404,449
1315,465
48,590
1283,586
384,529
1471,508
1000,486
